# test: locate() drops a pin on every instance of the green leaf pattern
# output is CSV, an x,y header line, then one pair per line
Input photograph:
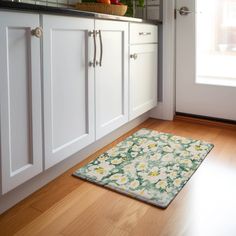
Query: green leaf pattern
x,y
149,165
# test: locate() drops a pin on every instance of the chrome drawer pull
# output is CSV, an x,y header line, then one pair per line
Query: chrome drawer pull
x,y
99,32
93,34
144,33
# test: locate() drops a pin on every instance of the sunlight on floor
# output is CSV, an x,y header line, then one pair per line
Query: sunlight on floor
x,y
213,210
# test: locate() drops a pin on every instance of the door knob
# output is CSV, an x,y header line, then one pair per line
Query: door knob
x,y
183,11
37,32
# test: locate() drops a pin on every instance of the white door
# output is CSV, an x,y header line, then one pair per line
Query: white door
x,y
143,78
111,76
206,58
20,100
68,86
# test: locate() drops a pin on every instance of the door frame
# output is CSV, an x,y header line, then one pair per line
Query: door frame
x,y
166,106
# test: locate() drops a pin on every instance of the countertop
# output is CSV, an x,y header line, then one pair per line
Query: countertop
x,y
7,5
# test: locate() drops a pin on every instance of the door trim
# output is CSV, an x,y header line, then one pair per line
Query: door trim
x,y
166,109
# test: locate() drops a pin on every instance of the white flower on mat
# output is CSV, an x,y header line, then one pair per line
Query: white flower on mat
x,y
195,149
126,144
144,193
154,133
142,132
173,174
122,180
204,146
123,153
152,147
113,152
176,167
135,148
177,182
154,175
184,153
117,161
184,140
129,143
161,184
150,144
192,150
155,157
142,141
141,158
100,171
186,162
196,157
164,197
102,158
175,145
167,149
134,184
163,170
115,176
142,166
129,169
147,149
175,138
186,174
169,189
163,137
168,157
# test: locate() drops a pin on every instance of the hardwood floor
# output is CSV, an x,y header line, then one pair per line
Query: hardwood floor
x,y
205,206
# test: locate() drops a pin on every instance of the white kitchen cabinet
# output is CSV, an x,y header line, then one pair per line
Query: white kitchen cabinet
x,y
143,69
68,86
85,86
20,100
143,78
111,76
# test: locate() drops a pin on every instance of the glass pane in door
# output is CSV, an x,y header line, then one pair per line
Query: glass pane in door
x,y
216,42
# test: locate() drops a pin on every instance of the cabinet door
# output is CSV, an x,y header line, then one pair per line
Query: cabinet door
x,y
111,77
143,78
20,99
68,86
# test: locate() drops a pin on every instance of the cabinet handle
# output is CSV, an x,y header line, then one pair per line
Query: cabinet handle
x,y
144,33
134,56
94,34
37,32
101,48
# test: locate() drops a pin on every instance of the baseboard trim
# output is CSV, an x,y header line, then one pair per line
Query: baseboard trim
x,y
205,120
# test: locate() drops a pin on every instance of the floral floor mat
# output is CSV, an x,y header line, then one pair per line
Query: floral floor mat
x,y
148,165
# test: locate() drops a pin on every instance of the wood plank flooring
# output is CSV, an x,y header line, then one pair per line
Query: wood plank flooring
x,y
205,206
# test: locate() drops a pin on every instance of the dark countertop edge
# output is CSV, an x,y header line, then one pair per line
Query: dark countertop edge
x,y
7,5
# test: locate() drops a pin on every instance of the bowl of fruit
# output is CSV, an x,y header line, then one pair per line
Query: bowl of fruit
x,y
113,7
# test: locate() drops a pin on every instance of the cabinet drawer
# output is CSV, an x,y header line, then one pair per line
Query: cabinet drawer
x,y
143,33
